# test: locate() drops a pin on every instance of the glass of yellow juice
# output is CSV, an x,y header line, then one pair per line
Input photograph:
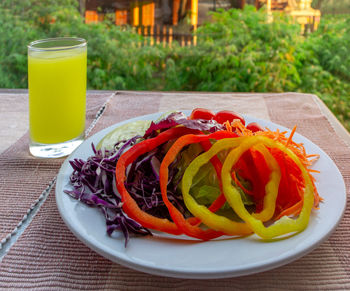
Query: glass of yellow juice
x,y
57,95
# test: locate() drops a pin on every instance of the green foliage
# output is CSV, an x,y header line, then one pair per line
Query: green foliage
x,y
331,43
238,51
324,65
332,6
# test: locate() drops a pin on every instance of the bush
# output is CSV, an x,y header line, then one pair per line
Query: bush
x,y
324,65
238,51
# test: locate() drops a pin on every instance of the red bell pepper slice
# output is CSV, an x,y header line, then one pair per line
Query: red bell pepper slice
x,y
201,113
254,127
291,184
227,115
130,206
185,225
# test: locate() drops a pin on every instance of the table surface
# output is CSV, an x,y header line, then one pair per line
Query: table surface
x,y
38,251
13,126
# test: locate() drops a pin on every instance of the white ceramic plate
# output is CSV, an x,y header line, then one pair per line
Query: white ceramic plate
x,y
183,257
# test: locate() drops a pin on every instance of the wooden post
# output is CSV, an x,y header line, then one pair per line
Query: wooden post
x,y
170,36
151,28
145,34
176,7
164,36
268,5
194,35
144,15
136,15
269,12
158,34
194,12
153,8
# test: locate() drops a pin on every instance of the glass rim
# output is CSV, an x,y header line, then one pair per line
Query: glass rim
x,y
81,42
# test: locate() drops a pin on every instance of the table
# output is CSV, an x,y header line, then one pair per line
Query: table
x,y
38,251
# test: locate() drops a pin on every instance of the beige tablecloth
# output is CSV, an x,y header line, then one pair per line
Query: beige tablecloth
x,y
48,256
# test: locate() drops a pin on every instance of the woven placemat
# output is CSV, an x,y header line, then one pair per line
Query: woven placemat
x,y
25,178
48,256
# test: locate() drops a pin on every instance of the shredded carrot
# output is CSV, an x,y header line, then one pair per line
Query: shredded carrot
x,y
228,126
315,158
291,135
317,198
298,148
314,155
241,130
293,210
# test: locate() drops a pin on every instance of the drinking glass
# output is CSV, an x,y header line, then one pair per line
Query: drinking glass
x,y
57,95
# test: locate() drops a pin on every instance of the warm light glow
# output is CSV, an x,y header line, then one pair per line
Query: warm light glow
x,y
91,16
135,14
148,14
194,12
305,4
121,17
176,7
268,4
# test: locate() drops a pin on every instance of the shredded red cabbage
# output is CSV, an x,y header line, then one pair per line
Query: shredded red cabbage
x,y
143,184
93,183
93,180
179,118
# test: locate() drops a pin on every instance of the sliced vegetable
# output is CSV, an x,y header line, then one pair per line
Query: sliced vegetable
x,y
143,183
254,127
93,183
201,113
293,179
285,224
242,177
130,207
177,216
220,222
178,118
230,116
123,132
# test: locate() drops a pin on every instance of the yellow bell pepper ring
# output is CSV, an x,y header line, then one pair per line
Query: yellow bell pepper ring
x,y
284,225
271,188
222,223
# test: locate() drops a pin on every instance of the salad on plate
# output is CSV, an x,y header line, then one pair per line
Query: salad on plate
x,y
207,175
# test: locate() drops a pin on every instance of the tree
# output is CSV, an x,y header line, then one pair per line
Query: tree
x,y
317,4
82,5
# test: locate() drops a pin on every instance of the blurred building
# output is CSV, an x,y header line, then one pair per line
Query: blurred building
x,y
142,13
300,10
165,18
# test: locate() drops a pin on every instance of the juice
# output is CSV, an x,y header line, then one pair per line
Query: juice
x,y
57,95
